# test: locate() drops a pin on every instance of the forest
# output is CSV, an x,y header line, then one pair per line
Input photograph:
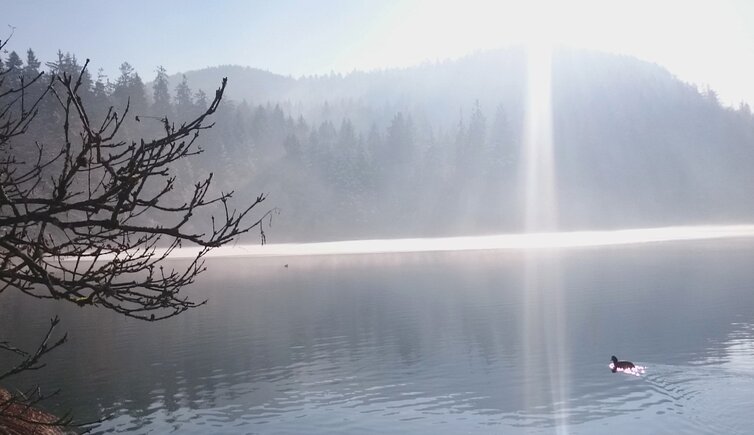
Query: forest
x,y
435,150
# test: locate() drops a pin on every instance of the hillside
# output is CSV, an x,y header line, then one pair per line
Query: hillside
x,y
435,149
635,147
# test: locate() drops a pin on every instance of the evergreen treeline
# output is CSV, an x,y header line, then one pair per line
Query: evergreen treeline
x,y
439,152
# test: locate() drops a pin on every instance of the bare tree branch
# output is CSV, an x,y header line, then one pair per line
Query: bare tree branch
x,y
90,220
91,237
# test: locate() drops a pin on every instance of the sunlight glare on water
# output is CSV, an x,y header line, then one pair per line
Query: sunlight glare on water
x,y
526,241
635,371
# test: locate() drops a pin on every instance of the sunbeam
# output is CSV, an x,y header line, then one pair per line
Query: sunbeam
x,y
539,171
544,323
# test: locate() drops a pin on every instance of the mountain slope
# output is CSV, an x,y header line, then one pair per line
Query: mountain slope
x,y
436,149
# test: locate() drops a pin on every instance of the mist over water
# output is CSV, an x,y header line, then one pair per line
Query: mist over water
x,y
518,241
440,342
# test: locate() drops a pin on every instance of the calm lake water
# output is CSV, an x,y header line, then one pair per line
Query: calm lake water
x,y
494,342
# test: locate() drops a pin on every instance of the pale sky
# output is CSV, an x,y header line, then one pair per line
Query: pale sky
x,y
705,42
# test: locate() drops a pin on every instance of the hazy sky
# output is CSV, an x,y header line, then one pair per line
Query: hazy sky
x,y
706,42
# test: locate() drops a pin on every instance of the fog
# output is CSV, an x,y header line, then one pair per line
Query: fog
x,y
587,190
440,149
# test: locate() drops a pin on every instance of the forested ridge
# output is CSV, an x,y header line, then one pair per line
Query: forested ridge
x,y
436,149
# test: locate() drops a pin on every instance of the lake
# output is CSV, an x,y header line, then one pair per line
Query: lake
x,y
458,342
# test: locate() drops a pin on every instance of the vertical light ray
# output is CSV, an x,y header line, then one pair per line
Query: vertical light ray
x,y
544,320
540,200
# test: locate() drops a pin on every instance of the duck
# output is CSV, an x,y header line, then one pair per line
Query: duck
x,y
621,365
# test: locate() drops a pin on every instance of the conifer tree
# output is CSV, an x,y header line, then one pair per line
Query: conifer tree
x,y
161,95
32,65
13,62
184,102
13,67
200,100
129,90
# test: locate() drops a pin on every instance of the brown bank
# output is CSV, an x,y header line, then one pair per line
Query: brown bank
x,y
16,419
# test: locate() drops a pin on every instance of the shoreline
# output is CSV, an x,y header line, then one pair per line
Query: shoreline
x,y
18,419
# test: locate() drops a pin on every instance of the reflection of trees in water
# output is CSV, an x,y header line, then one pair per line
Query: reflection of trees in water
x,y
325,332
